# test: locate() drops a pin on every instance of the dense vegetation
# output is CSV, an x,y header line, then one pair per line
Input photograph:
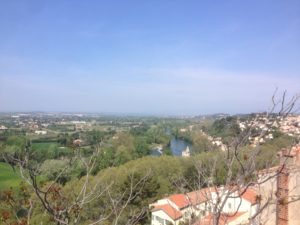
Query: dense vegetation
x,y
8,177
124,159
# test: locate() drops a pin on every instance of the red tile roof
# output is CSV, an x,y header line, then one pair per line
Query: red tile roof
x,y
224,219
169,210
203,195
197,197
180,200
250,195
192,198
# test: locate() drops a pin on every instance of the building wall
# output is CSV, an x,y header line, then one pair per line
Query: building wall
x,y
196,210
282,194
267,192
294,197
161,214
273,192
241,220
236,204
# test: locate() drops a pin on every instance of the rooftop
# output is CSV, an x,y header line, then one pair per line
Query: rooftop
x,y
224,219
169,210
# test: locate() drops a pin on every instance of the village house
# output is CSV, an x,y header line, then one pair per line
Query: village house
x,y
186,152
274,200
40,132
2,127
77,142
198,205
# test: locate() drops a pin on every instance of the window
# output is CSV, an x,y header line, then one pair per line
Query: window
x,y
167,222
187,214
160,220
229,205
209,208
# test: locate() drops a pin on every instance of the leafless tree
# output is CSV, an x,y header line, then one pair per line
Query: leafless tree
x,y
67,208
240,165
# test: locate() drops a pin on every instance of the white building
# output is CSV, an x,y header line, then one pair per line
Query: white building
x,y
186,152
41,132
2,127
199,204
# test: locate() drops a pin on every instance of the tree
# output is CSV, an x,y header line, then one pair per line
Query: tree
x,y
66,206
235,169
201,143
240,165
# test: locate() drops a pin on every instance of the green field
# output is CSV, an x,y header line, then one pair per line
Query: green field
x,y
44,146
8,178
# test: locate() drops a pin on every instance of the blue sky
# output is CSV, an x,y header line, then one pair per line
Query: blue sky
x,y
154,57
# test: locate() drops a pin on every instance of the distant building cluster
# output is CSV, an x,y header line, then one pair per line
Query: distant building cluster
x,y
216,141
42,124
266,126
52,124
290,125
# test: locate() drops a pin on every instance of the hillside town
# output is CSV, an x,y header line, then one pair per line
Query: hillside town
x,y
263,128
289,125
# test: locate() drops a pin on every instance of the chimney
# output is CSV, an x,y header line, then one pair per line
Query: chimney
x,y
283,188
282,196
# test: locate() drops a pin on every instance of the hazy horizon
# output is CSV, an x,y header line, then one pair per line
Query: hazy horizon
x,y
147,57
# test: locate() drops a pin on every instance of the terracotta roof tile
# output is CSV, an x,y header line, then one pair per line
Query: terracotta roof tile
x,y
203,195
192,198
169,210
224,219
250,195
180,200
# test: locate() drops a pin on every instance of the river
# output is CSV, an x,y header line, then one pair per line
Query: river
x,y
177,145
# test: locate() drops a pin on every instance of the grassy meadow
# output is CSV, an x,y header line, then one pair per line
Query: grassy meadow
x,y
8,177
